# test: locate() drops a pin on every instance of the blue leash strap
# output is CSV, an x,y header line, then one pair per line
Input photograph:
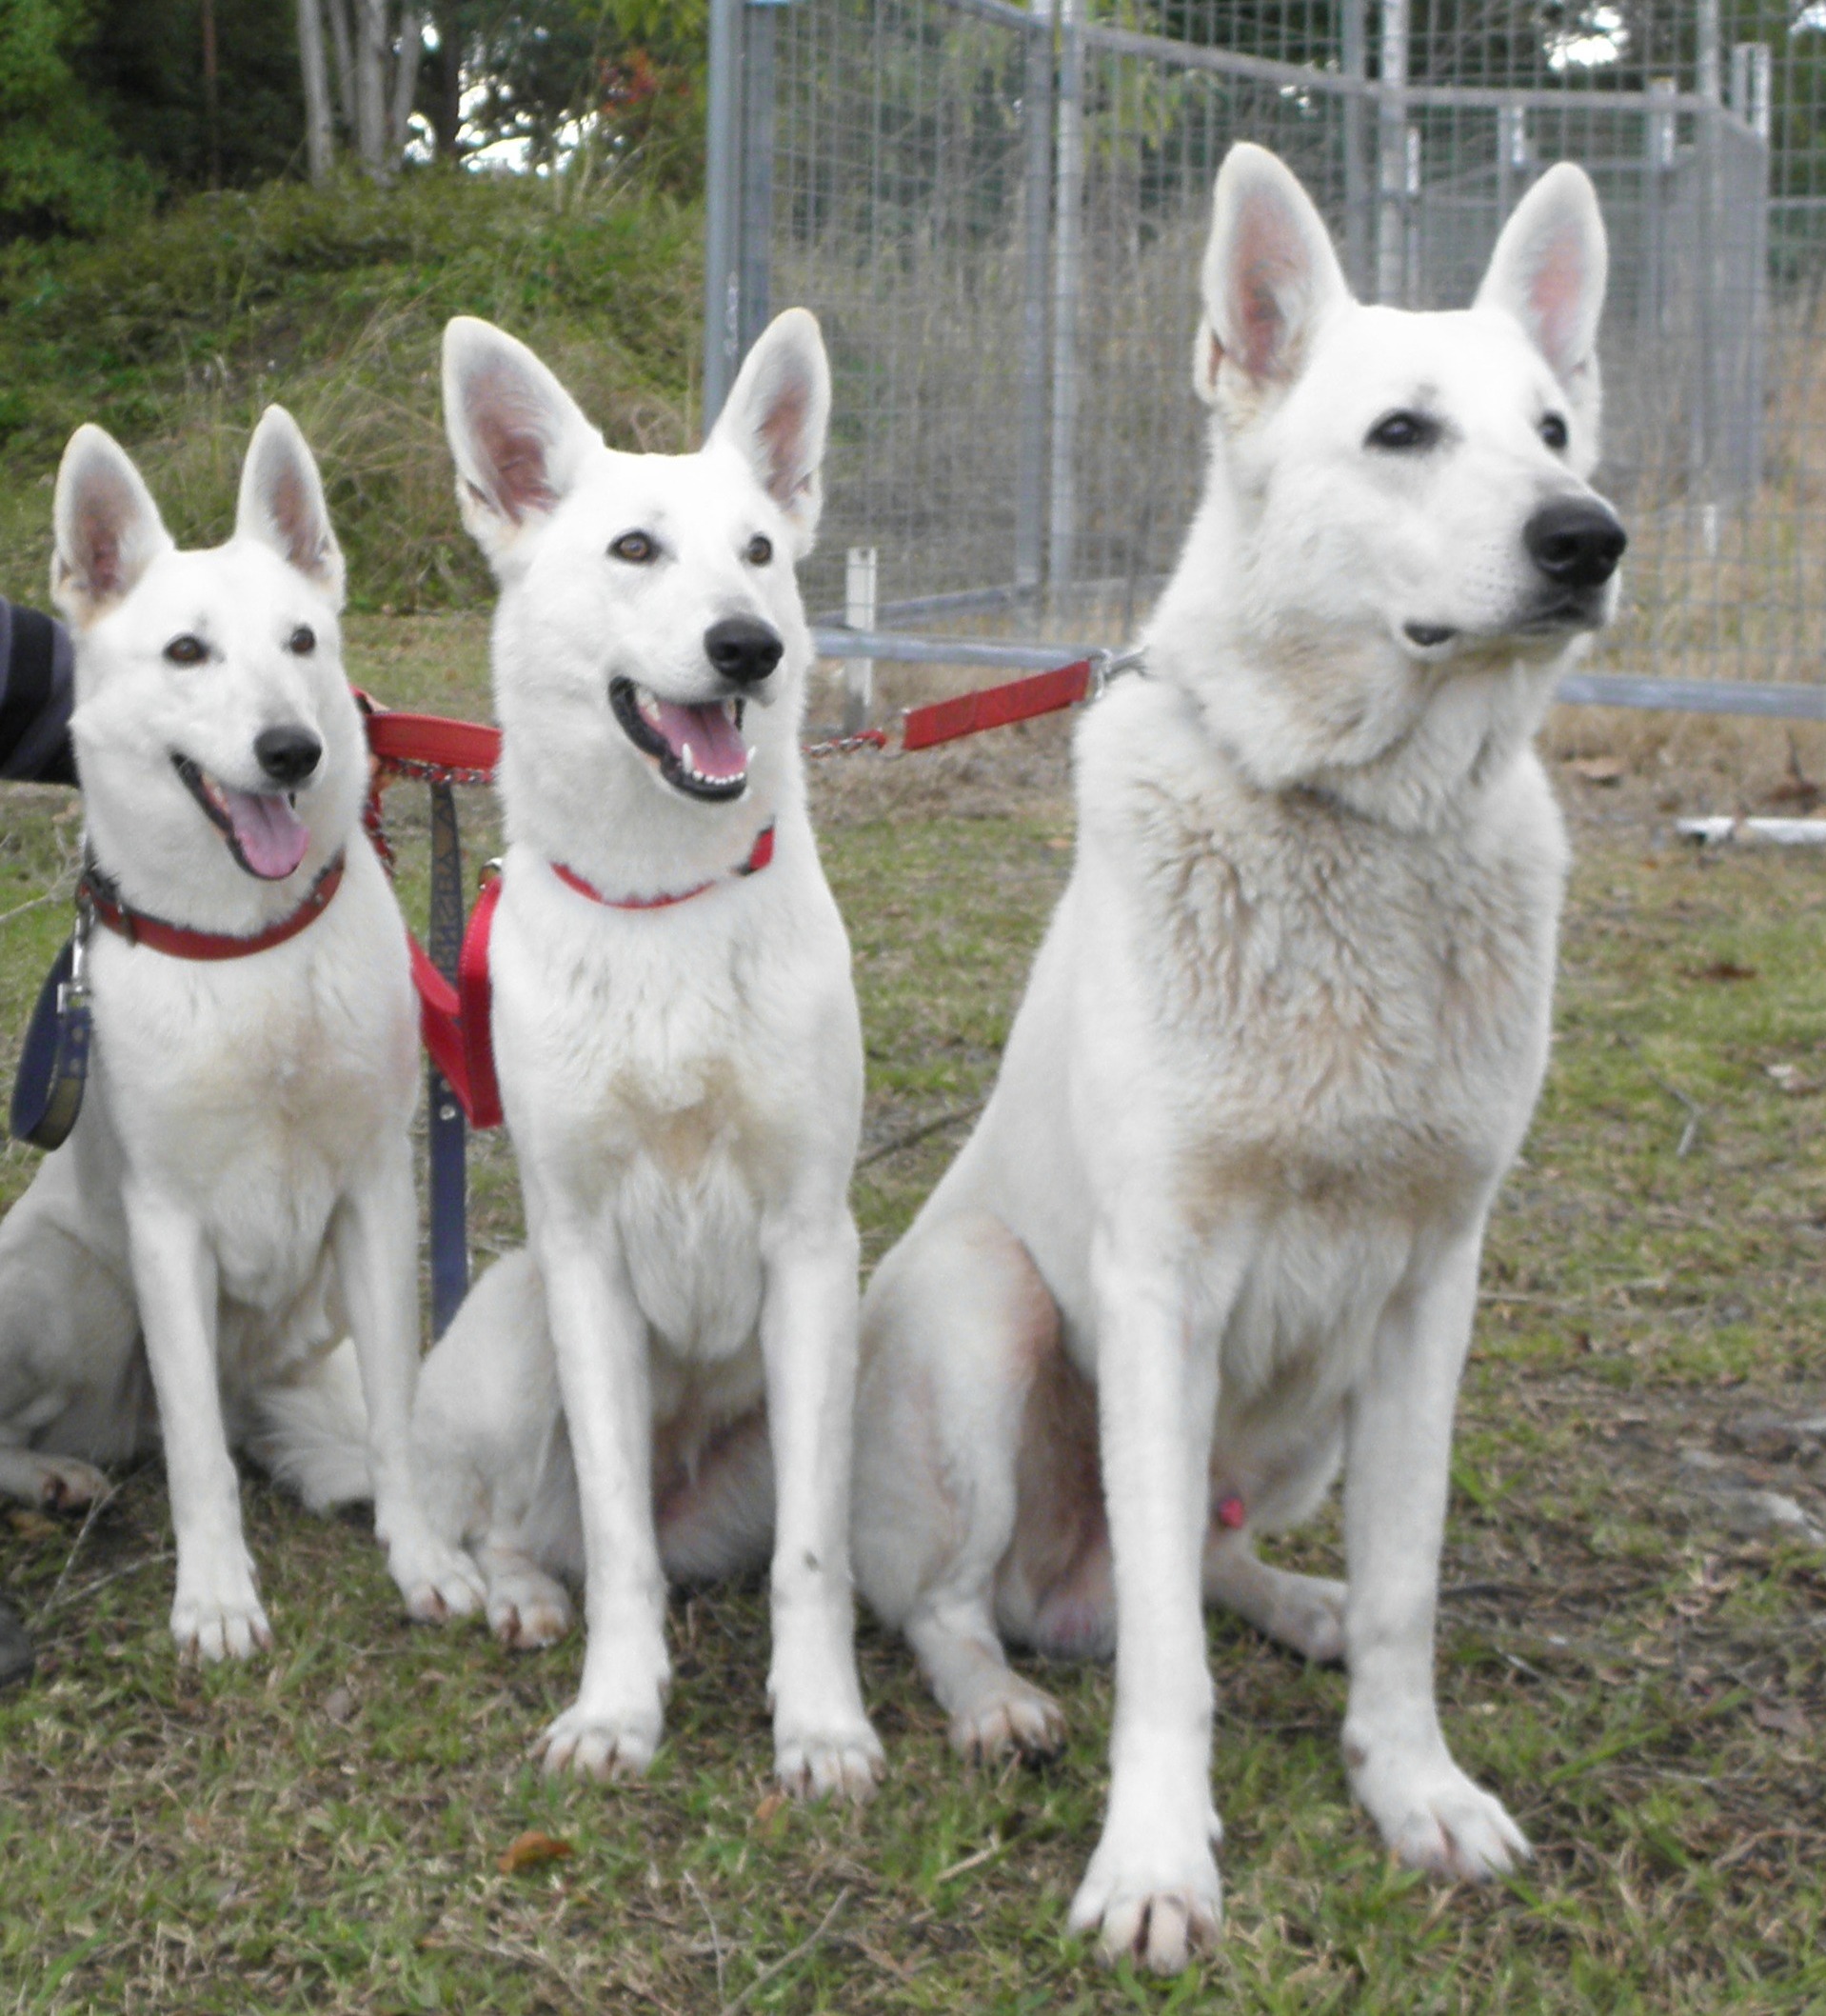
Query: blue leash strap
x,y
53,1062
446,1127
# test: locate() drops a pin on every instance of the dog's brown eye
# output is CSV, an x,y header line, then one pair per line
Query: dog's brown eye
x,y
1552,432
187,650
760,550
303,640
1403,431
637,546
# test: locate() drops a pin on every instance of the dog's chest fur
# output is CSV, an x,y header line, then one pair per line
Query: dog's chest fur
x,y
1352,1021
1354,1016
256,1090
645,1057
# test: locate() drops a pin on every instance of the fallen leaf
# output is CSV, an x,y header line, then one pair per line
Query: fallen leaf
x,y
530,1851
1788,1719
769,1807
1788,1078
1599,769
1719,969
33,1526
339,1705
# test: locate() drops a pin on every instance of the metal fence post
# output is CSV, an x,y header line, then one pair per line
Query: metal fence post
x,y
1391,234
722,209
1067,254
858,615
755,303
1030,455
1354,60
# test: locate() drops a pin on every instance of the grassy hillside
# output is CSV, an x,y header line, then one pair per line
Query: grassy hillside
x,y
174,334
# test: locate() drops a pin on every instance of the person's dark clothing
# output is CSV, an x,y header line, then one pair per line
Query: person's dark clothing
x,y
38,690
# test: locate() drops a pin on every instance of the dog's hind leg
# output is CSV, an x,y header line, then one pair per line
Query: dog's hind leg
x,y
527,1607
1304,1612
493,1460
73,1383
955,1326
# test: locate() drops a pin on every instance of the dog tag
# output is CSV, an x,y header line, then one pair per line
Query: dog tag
x,y
53,1065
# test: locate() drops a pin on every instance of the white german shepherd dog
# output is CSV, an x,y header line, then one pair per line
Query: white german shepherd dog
x,y
236,1196
680,1060
1219,1225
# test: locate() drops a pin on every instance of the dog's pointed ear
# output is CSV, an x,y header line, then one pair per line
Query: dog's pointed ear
x,y
1548,272
282,504
1270,275
777,414
518,438
108,529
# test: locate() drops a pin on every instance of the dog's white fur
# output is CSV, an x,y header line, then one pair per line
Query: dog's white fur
x,y
237,1191
683,1085
1219,1227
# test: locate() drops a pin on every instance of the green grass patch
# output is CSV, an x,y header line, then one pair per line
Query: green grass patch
x,y
176,333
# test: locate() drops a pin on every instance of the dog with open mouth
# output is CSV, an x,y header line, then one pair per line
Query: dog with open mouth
x,y
1217,1233
235,1199
659,1387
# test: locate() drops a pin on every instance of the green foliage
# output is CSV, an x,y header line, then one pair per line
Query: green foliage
x,y
146,63
175,334
61,169
634,68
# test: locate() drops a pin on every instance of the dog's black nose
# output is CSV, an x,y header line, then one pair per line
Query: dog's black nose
x,y
288,754
743,649
1576,542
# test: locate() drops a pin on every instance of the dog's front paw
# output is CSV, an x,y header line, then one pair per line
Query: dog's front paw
x,y
217,1615
1151,1895
846,1761
602,1745
1011,1715
438,1580
1434,1817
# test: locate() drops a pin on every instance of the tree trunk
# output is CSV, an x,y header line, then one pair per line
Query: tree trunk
x,y
371,86
446,117
405,78
340,40
319,140
212,92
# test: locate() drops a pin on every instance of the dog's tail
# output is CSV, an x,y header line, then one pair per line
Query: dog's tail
x,y
311,1433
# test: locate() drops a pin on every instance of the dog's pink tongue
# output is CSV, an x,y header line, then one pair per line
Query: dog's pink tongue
x,y
717,749
272,838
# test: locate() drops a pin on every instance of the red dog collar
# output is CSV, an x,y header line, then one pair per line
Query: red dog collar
x,y
180,942
759,856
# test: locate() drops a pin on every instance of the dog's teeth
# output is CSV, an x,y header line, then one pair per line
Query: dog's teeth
x,y
685,757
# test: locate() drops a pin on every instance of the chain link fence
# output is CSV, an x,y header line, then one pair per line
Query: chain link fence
x,y
998,213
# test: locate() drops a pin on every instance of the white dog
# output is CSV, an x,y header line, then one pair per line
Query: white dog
x,y
237,1191
1221,1223
680,1059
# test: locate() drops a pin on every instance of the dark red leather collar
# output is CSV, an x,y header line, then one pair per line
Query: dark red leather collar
x,y
181,942
759,856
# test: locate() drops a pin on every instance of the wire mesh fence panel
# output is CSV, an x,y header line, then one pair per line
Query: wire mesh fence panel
x,y
998,214
902,214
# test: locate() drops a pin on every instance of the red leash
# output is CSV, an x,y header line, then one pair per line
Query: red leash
x,y
923,728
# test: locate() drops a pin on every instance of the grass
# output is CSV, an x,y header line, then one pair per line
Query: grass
x,y
324,1829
